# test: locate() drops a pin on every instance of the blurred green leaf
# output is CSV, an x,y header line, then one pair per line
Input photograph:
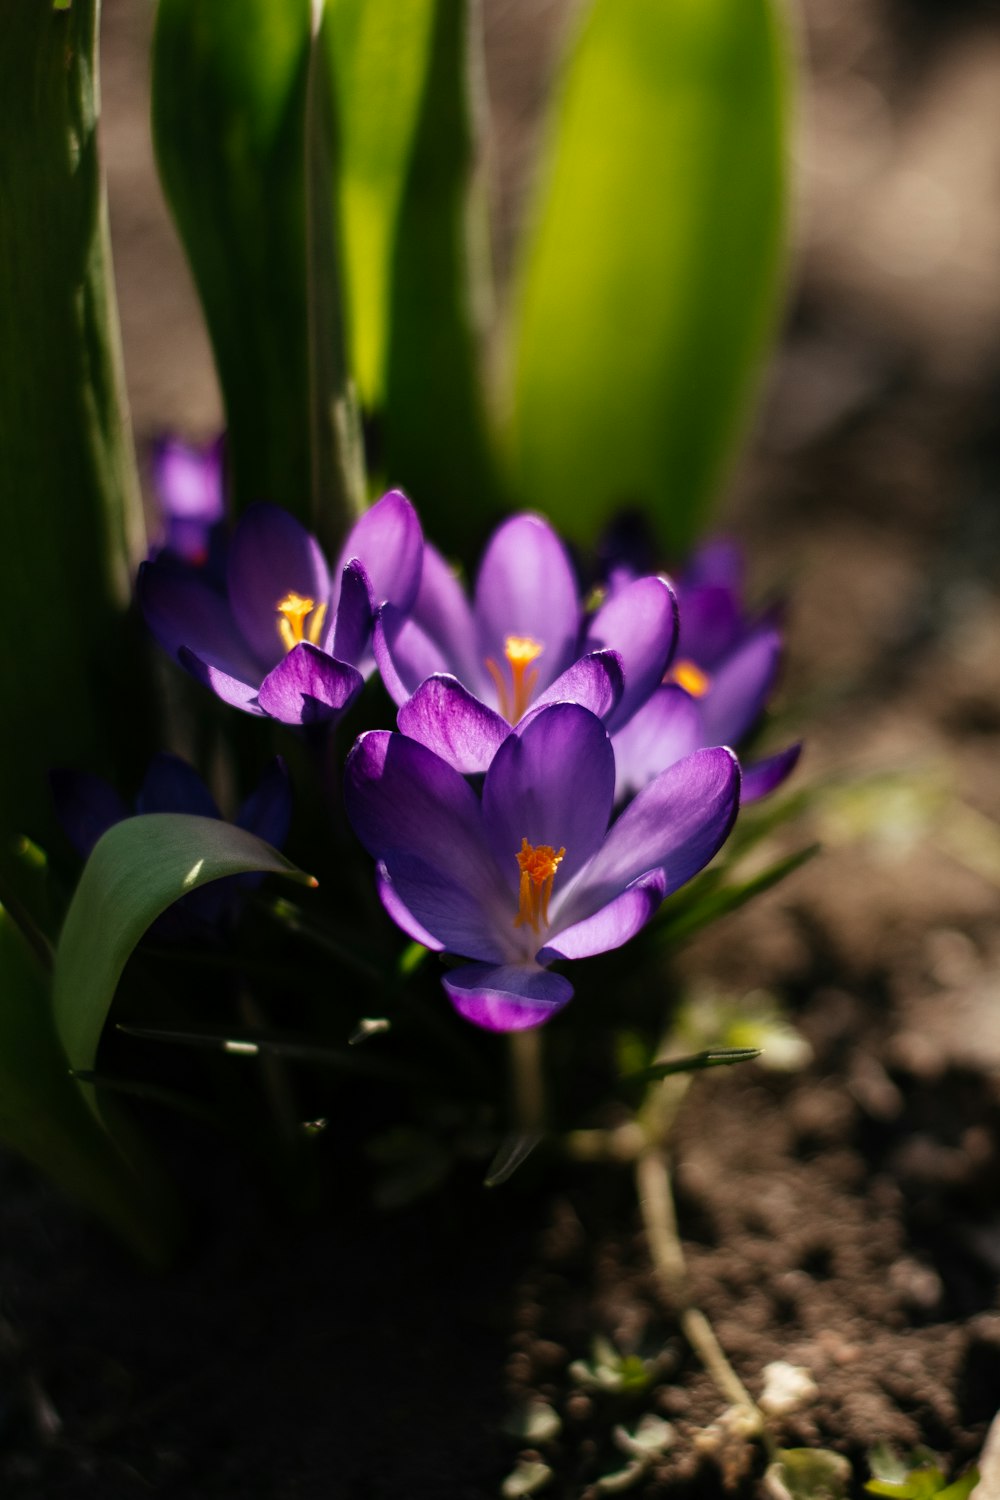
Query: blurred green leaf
x,y
138,869
649,281
808,1474
70,521
431,430
713,1057
705,899
229,113
45,1118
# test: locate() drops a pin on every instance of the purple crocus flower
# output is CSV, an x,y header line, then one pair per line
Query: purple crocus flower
x,y
282,638
188,482
723,672
464,674
87,806
529,872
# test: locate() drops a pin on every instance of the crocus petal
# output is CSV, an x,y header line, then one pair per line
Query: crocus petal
x,y
437,911
86,807
741,686
188,480
270,556
389,542
404,653
526,587
349,636
170,785
232,690
508,997
640,623
308,687
676,824
444,716
552,782
667,727
595,682
613,925
443,613
267,811
711,624
718,562
183,611
762,776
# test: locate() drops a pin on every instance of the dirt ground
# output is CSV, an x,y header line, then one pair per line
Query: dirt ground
x,y
844,1218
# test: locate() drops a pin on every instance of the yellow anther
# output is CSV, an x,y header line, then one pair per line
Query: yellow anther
x,y
538,865
513,698
691,678
293,611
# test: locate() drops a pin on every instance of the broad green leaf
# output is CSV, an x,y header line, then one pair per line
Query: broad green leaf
x,y
432,427
648,283
229,112
381,51
138,869
44,1117
70,521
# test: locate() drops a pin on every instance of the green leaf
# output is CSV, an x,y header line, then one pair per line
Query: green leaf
x,y
138,869
649,283
705,900
713,1057
381,53
808,1474
432,425
70,521
44,1117
229,113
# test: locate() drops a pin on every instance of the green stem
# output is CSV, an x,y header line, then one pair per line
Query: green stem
x,y
527,1080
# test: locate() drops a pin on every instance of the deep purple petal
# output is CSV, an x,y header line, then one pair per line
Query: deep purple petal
x,y
763,776
613,925
170,785
719,562
666,728
640,623
86,807
676,824
349,635
232,690
406,656
183,611
595,681
443,613
272,555
267,811
309,687
444,716
551,783
406,803
389,542
526,587
711,624
436,910
741,686
507,997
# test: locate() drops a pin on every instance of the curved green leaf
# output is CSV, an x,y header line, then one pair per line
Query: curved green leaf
x,y
138,869
650,280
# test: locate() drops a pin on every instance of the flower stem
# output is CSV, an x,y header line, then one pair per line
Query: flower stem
x,y
527,1081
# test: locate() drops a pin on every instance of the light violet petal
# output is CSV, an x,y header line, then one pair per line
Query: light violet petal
x,y
272,555
349,636
182,610
741,686
595,681
170,785
666,728
640,623
508,997
763,776
526,587
404,654
188,480
551,782
437,911
389,542
613,925
444,716
308,687
232,690
676,824
444,614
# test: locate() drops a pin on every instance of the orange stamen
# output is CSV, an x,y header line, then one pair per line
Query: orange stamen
x,y
294,610
519,651
690,677
538,870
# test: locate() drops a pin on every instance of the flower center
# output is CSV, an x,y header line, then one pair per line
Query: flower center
x,y
513,697
538,870
690,677
293,612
